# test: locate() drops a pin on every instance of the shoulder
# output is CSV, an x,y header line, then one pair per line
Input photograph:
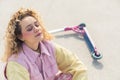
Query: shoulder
x,y
16,71
53,45
19,58
12,65
47,42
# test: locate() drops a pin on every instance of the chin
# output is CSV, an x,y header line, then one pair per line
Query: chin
x,y
40,39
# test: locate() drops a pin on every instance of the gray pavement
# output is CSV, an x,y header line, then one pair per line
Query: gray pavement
x,y
102,18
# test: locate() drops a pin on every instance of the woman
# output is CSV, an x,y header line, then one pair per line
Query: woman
x,y
30,54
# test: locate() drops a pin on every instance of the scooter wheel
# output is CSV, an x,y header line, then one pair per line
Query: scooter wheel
x,y
97,57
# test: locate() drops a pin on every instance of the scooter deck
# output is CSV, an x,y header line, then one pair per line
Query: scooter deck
x,y
93,50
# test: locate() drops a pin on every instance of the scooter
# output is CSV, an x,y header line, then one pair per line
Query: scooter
x,y
82,30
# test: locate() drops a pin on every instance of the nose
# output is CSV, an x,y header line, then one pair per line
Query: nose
x,y
36,29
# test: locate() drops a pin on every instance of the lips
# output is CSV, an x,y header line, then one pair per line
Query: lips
x,y
38,34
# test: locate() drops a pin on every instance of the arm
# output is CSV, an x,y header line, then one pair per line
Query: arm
x,y
70,63
16,72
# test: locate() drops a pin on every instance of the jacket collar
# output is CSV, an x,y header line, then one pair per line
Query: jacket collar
x,y
32,55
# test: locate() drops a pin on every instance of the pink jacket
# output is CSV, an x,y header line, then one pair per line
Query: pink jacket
x,y
40,66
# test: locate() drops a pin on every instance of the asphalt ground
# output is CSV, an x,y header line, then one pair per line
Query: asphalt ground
x,y
102,18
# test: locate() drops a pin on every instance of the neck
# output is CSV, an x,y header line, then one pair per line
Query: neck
x,y
33,46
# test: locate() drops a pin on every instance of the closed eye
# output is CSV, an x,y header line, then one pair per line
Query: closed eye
x,y
37,24
30,28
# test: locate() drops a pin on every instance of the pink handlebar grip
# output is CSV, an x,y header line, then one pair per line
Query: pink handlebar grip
x,y
67,29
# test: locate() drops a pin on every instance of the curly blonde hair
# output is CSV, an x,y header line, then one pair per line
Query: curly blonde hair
x,y
13,43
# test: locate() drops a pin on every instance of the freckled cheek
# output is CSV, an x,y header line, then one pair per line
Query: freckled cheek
x,y
27,35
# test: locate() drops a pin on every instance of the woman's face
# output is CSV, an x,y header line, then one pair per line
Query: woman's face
x,y
31,30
